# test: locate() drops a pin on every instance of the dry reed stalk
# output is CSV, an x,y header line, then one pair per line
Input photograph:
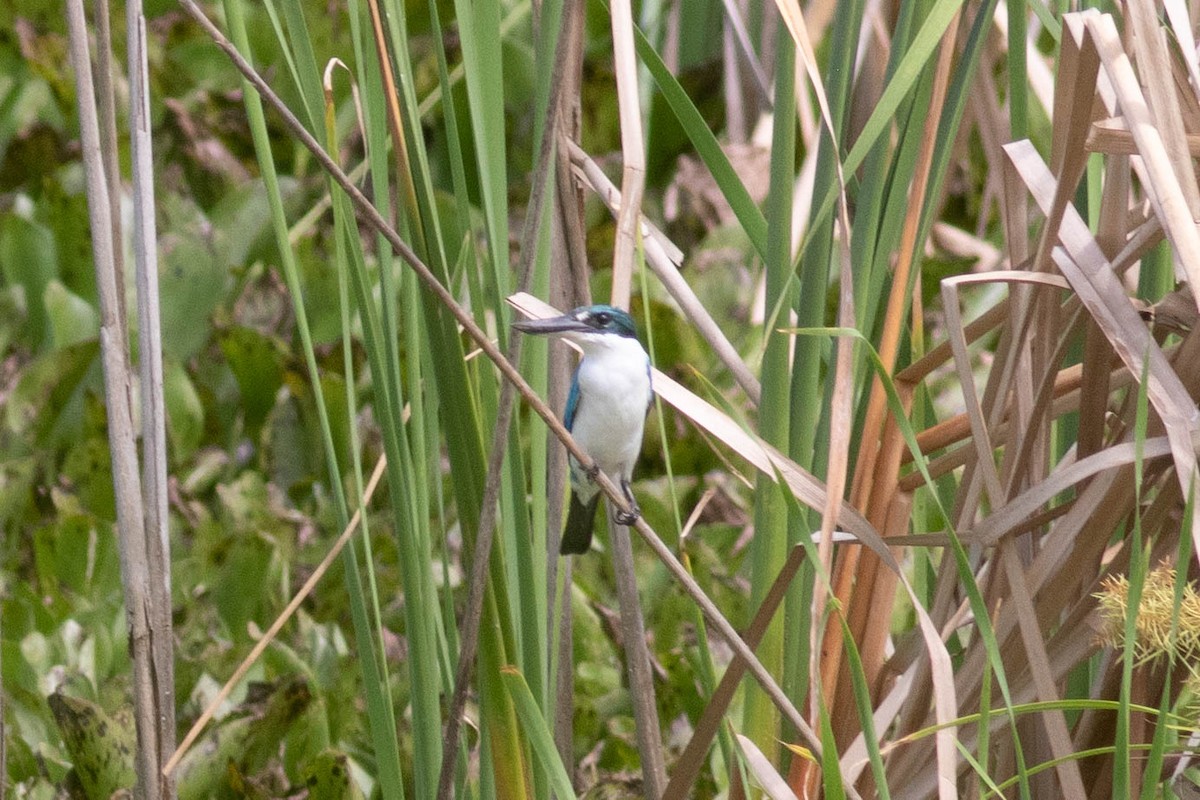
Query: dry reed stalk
x,y
625,257
150,363
568,289
633,153
860,586
1050,551
142,581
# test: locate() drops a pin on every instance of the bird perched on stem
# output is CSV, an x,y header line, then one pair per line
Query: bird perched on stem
x,y
606,409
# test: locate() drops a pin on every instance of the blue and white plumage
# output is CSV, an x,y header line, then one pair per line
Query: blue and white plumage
x,y
606,409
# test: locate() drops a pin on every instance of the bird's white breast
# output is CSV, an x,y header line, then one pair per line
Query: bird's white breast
x,y
614,393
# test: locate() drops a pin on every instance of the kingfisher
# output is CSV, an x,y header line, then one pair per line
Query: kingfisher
x,y
606,409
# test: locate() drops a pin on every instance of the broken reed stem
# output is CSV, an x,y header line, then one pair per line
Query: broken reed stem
x,y
633,152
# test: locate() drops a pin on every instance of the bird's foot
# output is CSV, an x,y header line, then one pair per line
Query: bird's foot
x,y
592,472
627,518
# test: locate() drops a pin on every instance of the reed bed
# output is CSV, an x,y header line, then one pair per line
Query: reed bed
x,y
952,402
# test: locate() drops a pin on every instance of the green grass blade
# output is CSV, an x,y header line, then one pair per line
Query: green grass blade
x,y
1018,73
866,715
1139,556
381,720
706,145
816,259
831,774
907,72
477,23
1151,775
376,686
768,551
538,732
919,53
467,394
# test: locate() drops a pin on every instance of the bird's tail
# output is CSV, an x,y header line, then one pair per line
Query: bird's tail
x,y
581,518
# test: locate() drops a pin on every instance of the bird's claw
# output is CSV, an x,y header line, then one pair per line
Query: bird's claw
x,y
623,517
592,471
628,518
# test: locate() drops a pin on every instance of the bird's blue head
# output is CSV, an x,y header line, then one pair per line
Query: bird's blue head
x,y
598,319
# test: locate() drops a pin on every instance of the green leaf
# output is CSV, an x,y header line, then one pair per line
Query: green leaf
x,y
191,284
101,746
41,406
185,412
251,557
257,362
537,732
248,742
72,319
243,216
29,259
57,548
87,466
328,777
14,315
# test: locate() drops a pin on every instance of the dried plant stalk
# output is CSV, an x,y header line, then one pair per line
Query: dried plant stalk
x,y
1044,521
137,574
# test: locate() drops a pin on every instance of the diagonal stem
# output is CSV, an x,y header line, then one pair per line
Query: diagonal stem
x,y
692,759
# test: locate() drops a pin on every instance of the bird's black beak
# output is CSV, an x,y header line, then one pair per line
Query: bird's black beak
x,y
564,324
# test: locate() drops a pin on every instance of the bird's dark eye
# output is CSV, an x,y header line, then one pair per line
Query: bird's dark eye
x,y
603,318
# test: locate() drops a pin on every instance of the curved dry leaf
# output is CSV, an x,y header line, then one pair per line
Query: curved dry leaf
x,y
1084,265
1010,517
765,775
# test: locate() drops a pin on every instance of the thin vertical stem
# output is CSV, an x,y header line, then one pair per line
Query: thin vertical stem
x,y
106,107
637,662
118,391
154,426
633,152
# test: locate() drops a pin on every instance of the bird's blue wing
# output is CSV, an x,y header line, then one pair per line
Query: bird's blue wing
x,y
572,402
